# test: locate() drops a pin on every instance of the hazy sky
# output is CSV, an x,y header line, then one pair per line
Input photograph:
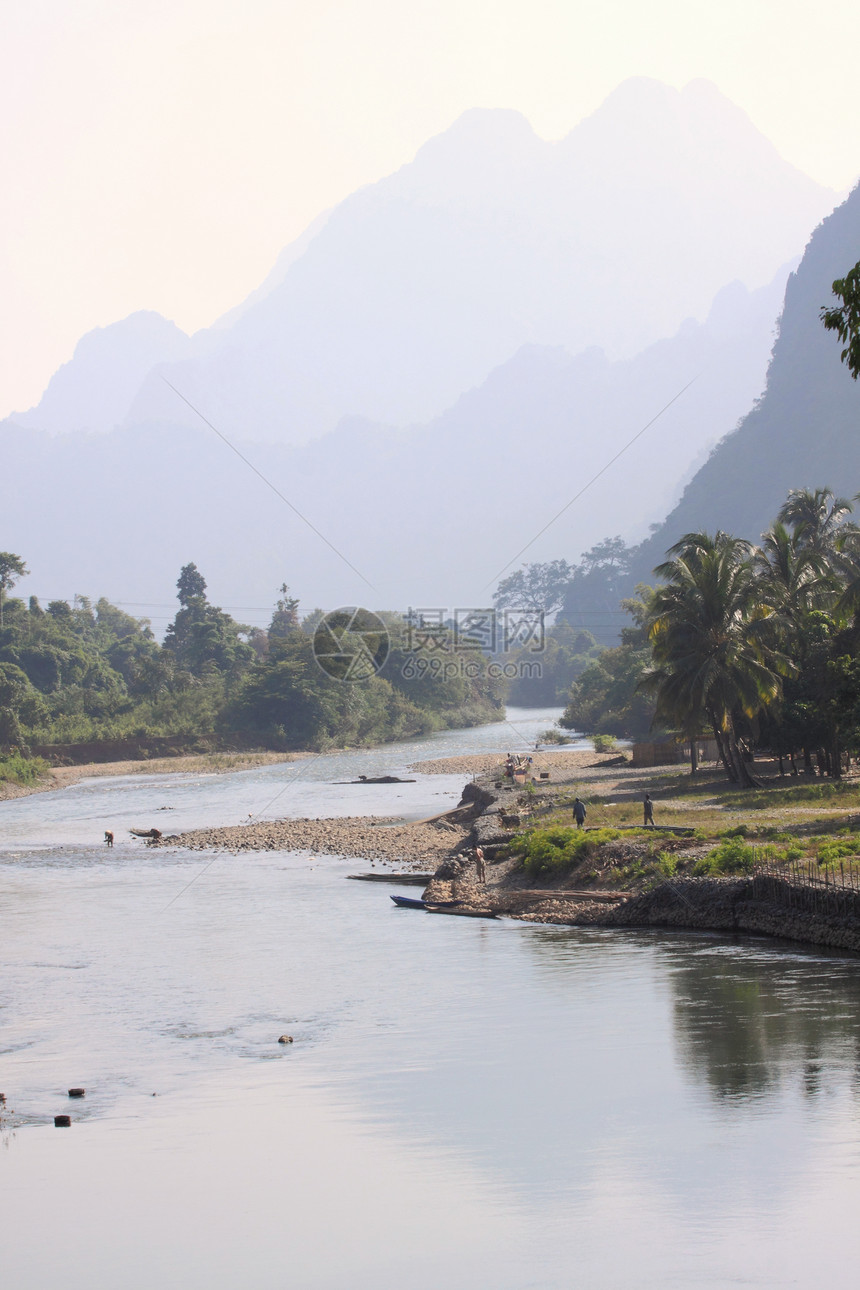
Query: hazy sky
x,y
159,154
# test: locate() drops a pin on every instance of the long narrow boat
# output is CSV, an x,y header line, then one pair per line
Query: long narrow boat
x,y
460,913
404,879
441,907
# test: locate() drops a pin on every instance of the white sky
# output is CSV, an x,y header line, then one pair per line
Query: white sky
x,y
158,155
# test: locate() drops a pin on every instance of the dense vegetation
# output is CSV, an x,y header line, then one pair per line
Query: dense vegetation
x,y
759,645
606,698
566,653
585,595
84,672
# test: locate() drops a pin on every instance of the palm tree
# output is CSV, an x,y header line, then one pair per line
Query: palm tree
x,y
792,578
798,577
816,517
713,643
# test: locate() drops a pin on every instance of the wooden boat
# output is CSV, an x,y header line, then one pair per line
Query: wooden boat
x,y
460,913
442,907
404,879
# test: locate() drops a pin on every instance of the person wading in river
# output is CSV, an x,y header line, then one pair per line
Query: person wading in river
x,y
579,813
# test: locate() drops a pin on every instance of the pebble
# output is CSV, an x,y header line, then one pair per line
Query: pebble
x,y
355,837
285,1039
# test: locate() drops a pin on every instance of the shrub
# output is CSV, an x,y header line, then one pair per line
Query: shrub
x,y
603,743
832,850
667,863
16,769
731,856
555,851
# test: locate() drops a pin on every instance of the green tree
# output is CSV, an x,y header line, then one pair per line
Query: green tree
x,y
844,318
12,567
545,676
715,649
285,619
190,585
817,519
539,588
202,638
600,581
607,698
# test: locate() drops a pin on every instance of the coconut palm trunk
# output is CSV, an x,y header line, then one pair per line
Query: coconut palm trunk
x,y
713,644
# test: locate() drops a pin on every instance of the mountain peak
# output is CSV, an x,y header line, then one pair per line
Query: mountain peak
x,y
94,389
481,148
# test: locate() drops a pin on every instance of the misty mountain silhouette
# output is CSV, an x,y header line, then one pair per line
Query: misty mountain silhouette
x,y
429,514
805,430
415,288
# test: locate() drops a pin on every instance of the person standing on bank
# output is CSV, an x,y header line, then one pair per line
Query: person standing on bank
x,y
579,813
648,806
480,867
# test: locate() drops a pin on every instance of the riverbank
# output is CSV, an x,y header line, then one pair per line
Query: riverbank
x,y
630,876
214,763
417,847
562,766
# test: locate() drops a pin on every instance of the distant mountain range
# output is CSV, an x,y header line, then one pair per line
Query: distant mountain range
x,y
415,288
805,430
432,372
428,514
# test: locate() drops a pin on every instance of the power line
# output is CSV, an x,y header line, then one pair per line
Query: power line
x,y
591,481
268,483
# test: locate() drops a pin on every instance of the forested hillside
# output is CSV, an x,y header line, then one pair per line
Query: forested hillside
x,y
756,644
84,672
804,431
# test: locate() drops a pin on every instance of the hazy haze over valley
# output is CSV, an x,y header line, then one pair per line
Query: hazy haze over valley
x,y
428,514
433,370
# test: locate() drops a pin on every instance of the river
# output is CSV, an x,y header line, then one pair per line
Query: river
x,y
465,1104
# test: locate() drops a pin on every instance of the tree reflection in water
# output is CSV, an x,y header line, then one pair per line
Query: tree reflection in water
x,y
751,1019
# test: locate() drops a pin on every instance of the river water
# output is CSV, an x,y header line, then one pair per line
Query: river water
x,y
466,1103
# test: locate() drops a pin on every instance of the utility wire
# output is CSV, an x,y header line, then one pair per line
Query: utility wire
x,y
268,483
591,481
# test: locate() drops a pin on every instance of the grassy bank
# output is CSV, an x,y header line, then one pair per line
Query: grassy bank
x,y
810,829
23,771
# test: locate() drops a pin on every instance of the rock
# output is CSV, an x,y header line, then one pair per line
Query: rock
x,y
77,1092
62,1121
285,1039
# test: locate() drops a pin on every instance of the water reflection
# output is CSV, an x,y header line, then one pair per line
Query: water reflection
x,y
750,1021
466,1103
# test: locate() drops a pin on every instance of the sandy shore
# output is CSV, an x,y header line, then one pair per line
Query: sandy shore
x,y
563,767
205,763
415,847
